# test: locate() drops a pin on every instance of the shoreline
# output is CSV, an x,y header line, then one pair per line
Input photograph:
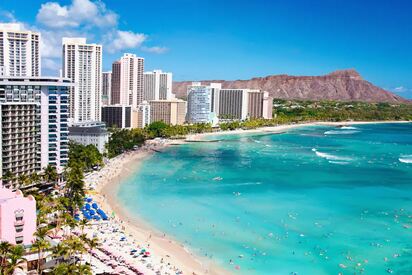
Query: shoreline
x,y
123,166
165,249
281,128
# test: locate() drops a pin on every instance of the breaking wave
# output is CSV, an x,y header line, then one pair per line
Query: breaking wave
x,y
338,132
406,159
348,128
330,156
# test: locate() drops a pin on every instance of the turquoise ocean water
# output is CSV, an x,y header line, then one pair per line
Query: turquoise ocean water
x,y
315,200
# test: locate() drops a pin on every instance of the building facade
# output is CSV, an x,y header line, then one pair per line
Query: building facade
x,y
127,80
141,115
90,134
34,123
233,104
202,103
19,51
82,63
106,88
117,116
171,112
260,105
17,217
157,85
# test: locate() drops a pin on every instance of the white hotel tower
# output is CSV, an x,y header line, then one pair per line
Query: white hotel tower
x,y
19,51
157,85
127,81
82,63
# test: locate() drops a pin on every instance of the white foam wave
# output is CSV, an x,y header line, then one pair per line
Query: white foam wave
x,y
348,128
344,132
406,158
330,156
339,162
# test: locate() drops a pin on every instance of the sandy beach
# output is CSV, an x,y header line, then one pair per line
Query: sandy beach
x,y
166,251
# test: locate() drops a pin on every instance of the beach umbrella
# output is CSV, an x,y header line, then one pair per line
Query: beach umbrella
x,y
89,199
94,205
87,206
92,212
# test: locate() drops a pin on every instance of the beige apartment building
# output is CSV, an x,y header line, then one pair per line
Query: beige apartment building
x,y
260,105
172,112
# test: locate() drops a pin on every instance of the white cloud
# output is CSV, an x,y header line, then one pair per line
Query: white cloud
x,y
400,89
78,13
80,18
8,16
155,49
122,40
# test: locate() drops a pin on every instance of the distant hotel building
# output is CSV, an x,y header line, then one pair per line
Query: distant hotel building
x,y
241,104
117,116
34,129
82,63
141,115
260,105
127,81
157,85
171,112
202,103
19,51
90,134
233,104
107,88
208,104
17,217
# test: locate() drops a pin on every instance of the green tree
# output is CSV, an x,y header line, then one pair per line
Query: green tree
x,y
74,187
5,248
39,246
50,174
14,258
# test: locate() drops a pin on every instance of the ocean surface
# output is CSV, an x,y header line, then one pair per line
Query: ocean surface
x,y
315,200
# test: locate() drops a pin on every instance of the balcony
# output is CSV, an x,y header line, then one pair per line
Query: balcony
x,y
19,223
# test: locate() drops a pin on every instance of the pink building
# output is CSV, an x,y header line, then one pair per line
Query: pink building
x,y
17,217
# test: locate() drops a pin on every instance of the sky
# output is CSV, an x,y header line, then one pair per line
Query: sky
x,y
233,39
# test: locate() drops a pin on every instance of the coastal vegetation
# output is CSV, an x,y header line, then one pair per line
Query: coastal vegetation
x,y
284,112
55,218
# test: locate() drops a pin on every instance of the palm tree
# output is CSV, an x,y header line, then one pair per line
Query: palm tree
x,y
14,259
5,248
8,176
35,178
50,174
40,245
75,187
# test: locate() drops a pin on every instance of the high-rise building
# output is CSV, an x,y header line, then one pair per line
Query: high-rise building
x,y
172,112
202,102
117,116
241,104
157,85
34,129
233,104
127,80
82,63
141,115
260,105
107,88
19,51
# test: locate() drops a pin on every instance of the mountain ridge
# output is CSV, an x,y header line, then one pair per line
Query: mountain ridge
x,y
341,85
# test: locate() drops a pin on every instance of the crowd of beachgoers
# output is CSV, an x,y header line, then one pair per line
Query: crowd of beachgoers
x,y
120,252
